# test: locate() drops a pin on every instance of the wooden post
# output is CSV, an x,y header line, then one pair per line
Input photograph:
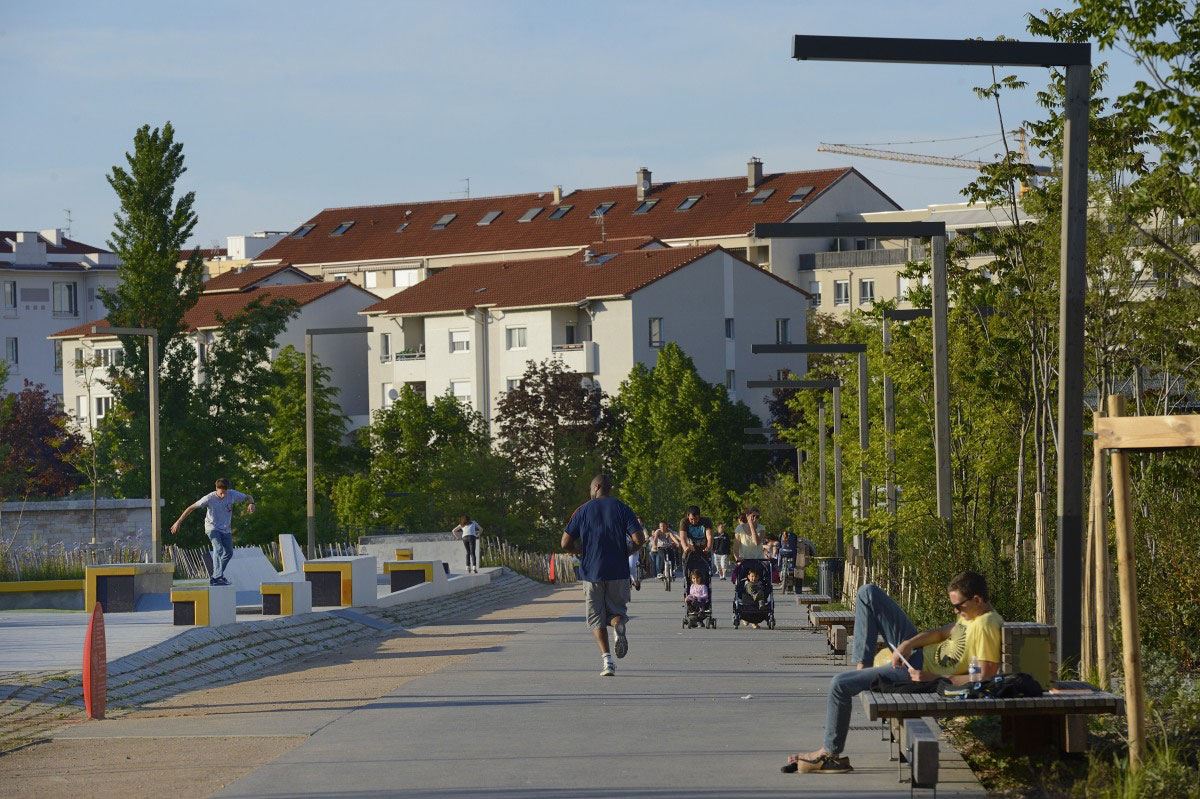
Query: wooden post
x,y
1039,556
821,459
1100,561
839,544
1135,696
941,382
1088,636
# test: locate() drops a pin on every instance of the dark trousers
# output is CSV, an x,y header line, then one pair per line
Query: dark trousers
x,y
469,544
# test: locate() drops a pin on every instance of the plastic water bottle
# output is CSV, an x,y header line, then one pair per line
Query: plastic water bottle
x,y
974,671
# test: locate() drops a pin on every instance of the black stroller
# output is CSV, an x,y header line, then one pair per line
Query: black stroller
x,y
697,613
747,608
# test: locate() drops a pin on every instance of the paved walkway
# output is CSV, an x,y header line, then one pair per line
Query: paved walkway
x,y
511,704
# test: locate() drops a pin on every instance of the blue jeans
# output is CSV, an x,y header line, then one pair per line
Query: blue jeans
x,y
222,544
875,614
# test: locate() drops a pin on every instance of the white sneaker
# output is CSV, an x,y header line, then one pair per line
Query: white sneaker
x,y
609,669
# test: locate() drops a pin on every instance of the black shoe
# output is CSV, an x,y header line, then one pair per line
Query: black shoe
x,y
219,581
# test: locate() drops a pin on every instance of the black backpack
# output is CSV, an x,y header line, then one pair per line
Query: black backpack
x,y
1002,686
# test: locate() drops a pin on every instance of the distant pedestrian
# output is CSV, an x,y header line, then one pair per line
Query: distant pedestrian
x,y
604,531
218,524
469,532
721,550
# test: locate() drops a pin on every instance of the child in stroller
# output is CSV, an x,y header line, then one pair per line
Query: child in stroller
x,y
753,600
697,601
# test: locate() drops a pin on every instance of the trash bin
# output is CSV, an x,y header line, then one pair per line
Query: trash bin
x,y
829,577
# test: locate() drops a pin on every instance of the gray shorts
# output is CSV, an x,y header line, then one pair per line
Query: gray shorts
x,y
602,601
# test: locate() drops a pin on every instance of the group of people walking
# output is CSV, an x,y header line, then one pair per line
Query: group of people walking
x,y
695,532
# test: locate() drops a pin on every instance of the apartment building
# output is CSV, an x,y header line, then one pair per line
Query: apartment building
x,y
320,304
237,253
387,248
854,274
470,329
47,281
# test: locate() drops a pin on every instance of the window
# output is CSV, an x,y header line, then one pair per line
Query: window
x,y
460,341
400,229
515,337
814,288
342,228
529,215
11,352
58,403
656,331
489,218
512,384
645,207
730,380
385,346
371,280
387,395
782,374
64,300
81,408
781,331
301,232
79,358
761,197
561,211
10,294
103,406
461,389
341,276
602,209
901,287
729,327
445,220
110,356
570,334
799,194
841,292
403,278
58,358
866,291
688,203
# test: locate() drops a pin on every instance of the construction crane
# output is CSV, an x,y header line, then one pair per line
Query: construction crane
x,y
932,160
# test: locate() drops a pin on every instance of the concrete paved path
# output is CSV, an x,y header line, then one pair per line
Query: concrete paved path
x,y
696,713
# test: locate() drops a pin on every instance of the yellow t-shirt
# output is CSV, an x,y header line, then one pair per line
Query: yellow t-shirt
x,y
979,637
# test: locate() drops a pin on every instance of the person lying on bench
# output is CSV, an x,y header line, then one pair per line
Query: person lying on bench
x,y
943,652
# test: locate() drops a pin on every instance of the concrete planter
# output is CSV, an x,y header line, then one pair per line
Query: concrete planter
x,y
42,595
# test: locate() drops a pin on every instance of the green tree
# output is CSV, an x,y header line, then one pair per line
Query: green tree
x,y
680,441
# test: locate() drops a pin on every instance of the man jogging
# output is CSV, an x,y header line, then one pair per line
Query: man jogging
x,y
218,519
604,531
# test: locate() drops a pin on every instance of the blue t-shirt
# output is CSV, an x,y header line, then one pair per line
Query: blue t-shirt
x,y
602,526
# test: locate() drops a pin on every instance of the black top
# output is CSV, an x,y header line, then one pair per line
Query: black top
x,y
720,544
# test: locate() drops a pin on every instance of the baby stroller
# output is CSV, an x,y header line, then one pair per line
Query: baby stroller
x,y
697,615
745,608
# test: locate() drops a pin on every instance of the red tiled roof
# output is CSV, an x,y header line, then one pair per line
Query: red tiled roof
x,y
625,245
206,253
204,313
543,281
68,247
236,280
723,209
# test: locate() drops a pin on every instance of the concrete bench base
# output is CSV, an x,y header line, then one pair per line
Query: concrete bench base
x,y
204,606
118,587
919,742
342,581
286,598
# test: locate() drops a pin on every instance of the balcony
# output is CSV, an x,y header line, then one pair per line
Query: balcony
x,y
581,358
409,366
858,258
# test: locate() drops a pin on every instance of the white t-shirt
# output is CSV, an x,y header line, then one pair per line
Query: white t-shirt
x,y
471,529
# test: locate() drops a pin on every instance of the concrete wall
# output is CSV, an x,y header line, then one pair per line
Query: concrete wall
x,y
70,522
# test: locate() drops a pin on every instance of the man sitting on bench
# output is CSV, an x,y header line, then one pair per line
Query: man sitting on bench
x,y
943,652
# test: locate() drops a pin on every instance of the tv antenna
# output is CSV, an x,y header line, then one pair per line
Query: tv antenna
x,y
69,221
467,192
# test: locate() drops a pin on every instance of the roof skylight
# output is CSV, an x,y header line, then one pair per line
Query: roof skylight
x,y
342,228
489,218
530,214
403,225
445,220
302,231
800,193
762,197
602,209
645,207
560,212
688,203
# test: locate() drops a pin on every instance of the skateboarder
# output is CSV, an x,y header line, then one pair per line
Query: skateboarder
x,y
218,519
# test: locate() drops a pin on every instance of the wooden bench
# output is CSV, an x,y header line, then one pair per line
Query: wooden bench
x,y
1031,725
829,619
813,599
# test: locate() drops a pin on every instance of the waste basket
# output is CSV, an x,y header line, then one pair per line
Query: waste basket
x,y
829,577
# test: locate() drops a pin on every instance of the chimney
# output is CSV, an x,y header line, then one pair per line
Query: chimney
x,y
643,183
54,236
753,173
557,194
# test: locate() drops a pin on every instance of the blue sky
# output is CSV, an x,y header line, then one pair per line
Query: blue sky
x,y
285,108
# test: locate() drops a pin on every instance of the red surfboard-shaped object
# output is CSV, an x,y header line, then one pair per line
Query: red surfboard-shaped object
x,y
95,666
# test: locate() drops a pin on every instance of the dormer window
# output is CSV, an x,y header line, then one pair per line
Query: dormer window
x,y
445,220
561,211
489,218
302,231
687,204
530,214
645,207
602,209
799,194
762,197
342,228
